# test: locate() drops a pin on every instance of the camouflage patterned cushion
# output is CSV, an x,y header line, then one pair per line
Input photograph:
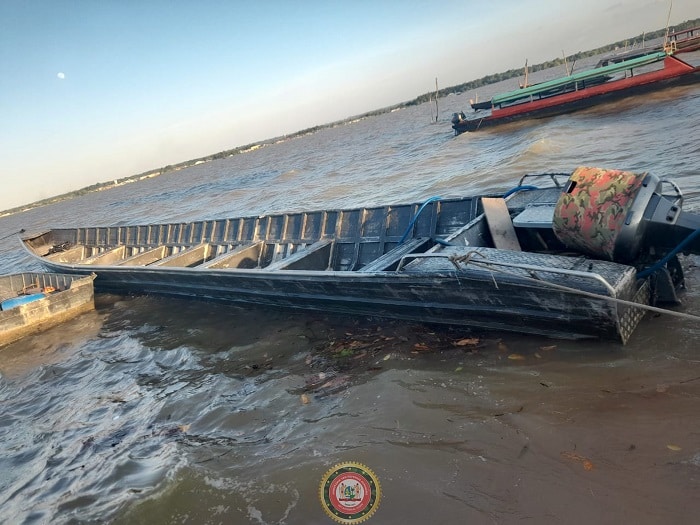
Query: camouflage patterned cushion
x,y
590,215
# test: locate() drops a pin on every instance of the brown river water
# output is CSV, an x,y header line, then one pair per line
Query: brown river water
x,y
159,411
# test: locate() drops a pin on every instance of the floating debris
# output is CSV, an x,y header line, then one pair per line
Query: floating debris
x,y
469,341
587,464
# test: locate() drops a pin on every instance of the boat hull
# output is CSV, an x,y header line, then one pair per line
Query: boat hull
x,y
444,261
73,296
675,73
443,299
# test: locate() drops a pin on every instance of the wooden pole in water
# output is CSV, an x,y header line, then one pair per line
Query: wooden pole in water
x,y
668,20
437,112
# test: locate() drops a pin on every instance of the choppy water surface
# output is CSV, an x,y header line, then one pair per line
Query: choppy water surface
x,y
153,410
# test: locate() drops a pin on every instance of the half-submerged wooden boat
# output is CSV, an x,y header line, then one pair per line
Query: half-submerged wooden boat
x,y
616,80
31,302
562,258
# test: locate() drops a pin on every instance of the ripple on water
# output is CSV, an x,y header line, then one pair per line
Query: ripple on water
x,y
96,438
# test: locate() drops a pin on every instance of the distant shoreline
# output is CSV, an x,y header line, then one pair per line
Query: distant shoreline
x,y
486,80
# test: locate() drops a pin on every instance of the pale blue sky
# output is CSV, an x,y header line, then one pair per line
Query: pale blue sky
x,y
93,90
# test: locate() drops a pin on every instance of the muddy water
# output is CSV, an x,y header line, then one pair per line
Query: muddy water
x,y
194,414
162,411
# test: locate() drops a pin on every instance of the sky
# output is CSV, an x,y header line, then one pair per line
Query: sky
x,y
96,90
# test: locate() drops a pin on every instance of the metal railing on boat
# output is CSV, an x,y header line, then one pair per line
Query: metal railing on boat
x,y
468,258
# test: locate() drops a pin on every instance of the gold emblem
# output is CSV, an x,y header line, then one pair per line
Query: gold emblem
x,y
350,492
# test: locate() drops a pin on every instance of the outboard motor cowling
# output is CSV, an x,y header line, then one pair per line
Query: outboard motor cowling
x,y
621,216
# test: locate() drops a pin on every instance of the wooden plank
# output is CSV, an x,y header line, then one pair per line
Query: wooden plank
x,y
500,224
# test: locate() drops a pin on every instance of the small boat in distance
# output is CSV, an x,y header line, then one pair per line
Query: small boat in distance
x,y
606,83
683,41
576,258
32,302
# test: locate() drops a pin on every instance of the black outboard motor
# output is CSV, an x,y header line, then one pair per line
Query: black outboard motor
x,y
625,217
458,117
668,226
